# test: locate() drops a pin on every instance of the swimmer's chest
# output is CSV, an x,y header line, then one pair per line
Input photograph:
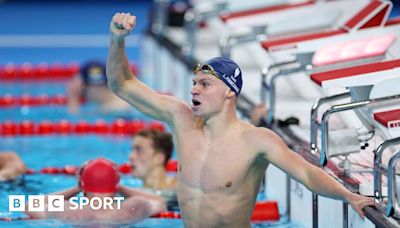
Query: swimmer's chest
x,y
220,165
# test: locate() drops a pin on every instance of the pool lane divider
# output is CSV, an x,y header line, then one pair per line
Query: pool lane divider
x,y
125,168
9,100
64,127
264,211
44,71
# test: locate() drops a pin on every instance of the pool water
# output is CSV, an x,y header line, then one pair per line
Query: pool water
x,y
33,88
88,111
59,150
151,222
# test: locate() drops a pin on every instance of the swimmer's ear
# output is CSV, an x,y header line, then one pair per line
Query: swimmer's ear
x,y
230,94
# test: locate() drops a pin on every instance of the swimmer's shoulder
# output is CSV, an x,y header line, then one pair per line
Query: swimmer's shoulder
x,y
257,135
248,128
181,112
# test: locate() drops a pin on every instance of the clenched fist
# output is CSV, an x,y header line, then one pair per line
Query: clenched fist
x,y
122,24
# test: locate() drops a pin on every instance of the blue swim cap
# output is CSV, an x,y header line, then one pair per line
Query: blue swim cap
x,y
94,73
229,72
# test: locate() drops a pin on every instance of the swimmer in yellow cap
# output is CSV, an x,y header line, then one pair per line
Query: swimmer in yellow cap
x,y
99,183
11,165
222,159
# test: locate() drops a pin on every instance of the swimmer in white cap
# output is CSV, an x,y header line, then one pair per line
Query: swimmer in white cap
x,y
222,159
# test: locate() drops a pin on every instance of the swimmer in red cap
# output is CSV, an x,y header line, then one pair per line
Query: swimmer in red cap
x,y
11,166
98,180
222,159
91,83
150,152
99,176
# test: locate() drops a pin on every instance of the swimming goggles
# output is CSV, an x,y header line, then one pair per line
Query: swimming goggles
x,y
207,69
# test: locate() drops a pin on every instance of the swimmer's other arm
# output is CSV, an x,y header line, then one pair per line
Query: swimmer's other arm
x,y
314,178
154,203
67,193
123,82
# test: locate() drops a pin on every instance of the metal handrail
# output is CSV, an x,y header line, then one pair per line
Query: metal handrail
x,y
160,17
392,186
340,108
314,125
192,20
258,33
270,87
378,167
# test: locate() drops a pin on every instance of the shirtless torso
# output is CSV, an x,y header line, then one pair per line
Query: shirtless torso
x,y
219,178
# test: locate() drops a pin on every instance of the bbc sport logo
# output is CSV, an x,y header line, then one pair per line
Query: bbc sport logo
x,y
57,203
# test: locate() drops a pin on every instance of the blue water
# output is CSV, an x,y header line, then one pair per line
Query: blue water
x,y
65,18
55,113
88,111
68,17
148,223
59,150
50,88
36,55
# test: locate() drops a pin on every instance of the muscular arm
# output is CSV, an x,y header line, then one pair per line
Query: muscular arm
x,y
122,81
314,178
67,193
156,204
10,166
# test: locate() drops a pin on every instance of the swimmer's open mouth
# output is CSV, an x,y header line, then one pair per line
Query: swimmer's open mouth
x,y
195,102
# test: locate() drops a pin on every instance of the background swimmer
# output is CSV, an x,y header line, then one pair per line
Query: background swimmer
x,y
91,85
100,178
150,152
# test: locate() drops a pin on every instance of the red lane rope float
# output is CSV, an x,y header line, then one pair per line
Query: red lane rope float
x,y
28,71
263,211
125,168
43,71
119,127
28,100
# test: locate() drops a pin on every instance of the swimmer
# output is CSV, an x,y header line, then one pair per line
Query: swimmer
x,y
150,153
222,159
91,84
11,166
100,178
